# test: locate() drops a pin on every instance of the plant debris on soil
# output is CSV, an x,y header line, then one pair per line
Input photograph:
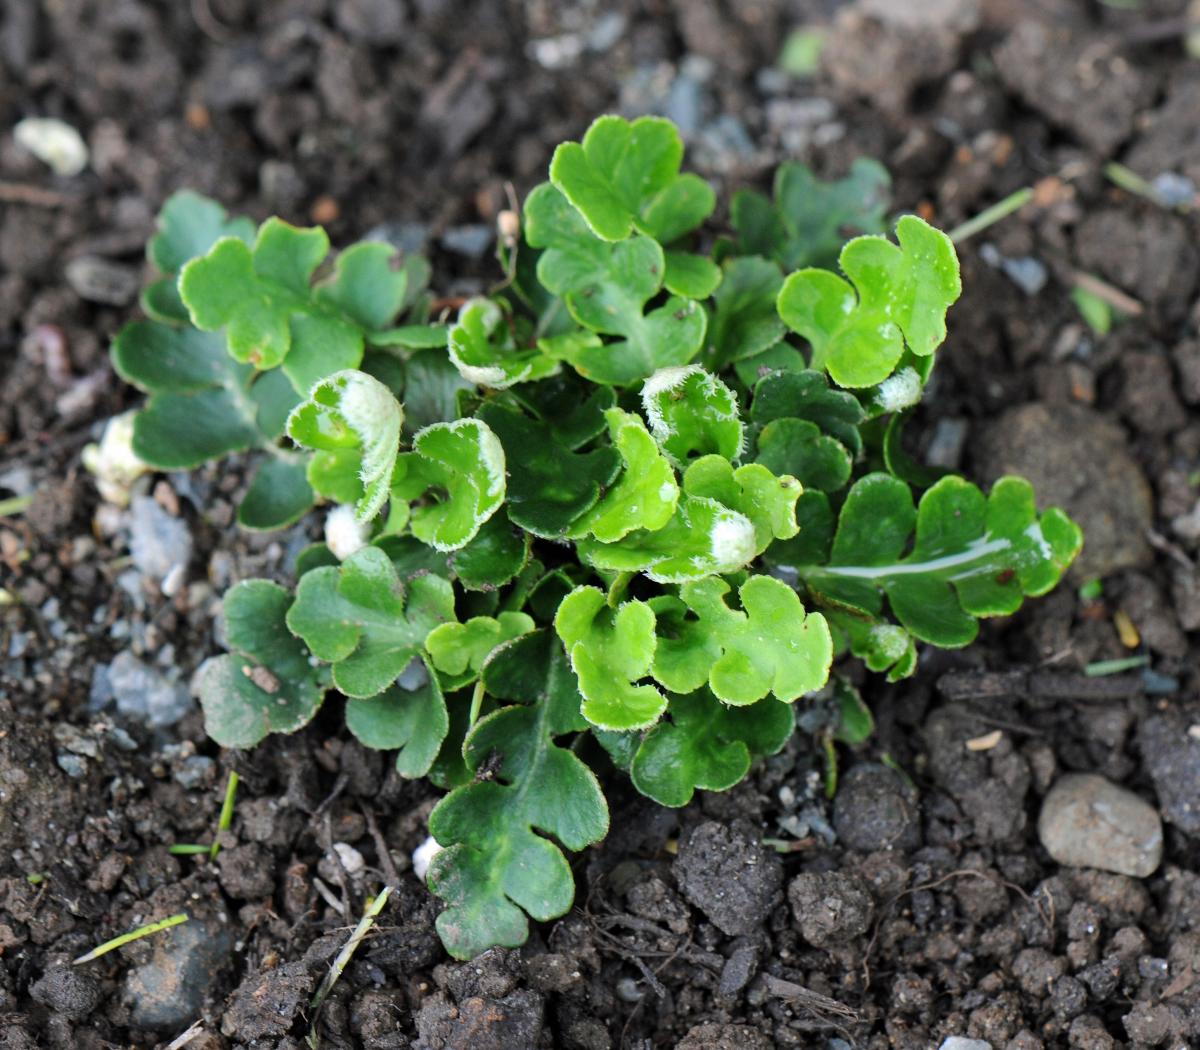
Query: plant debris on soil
x,y
924,906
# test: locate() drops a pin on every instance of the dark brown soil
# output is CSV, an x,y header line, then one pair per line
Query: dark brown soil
x,y
921,904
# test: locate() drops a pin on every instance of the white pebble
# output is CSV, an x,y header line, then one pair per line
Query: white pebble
x,y
345,534
352,860
113,460
54,143
423,856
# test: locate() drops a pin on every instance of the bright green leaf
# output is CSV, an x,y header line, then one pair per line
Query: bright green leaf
x,y
725,518
645,494
703,537
610,649
188,226
352,412
767,646
1097,312
692,276
692,413
766,500
253,292
606,288
625,176
459,649
411,336
336,474
464,460
902,297
485,353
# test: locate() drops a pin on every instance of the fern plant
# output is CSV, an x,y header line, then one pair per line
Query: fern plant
x,y
645,492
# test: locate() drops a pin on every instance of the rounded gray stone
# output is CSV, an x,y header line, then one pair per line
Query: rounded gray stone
x,y
1090,822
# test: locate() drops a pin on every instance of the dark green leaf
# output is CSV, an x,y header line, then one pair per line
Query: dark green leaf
x,y
811,219
899,463
797,447
188,226
782,357
855,721
182,431
161,302
412,336
815,524
266,683
572,408
555,486
971,556
497,867
274,398
705,744
362,619
365,285
431,393
278,495
493,558
314,556
745,321
806,395
410,717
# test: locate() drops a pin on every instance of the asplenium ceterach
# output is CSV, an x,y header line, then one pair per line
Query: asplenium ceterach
x,y
651,489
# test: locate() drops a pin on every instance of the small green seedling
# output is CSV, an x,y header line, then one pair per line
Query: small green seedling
x,y
1097,312
1104,668
342,960
132,935
224,823
647,492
